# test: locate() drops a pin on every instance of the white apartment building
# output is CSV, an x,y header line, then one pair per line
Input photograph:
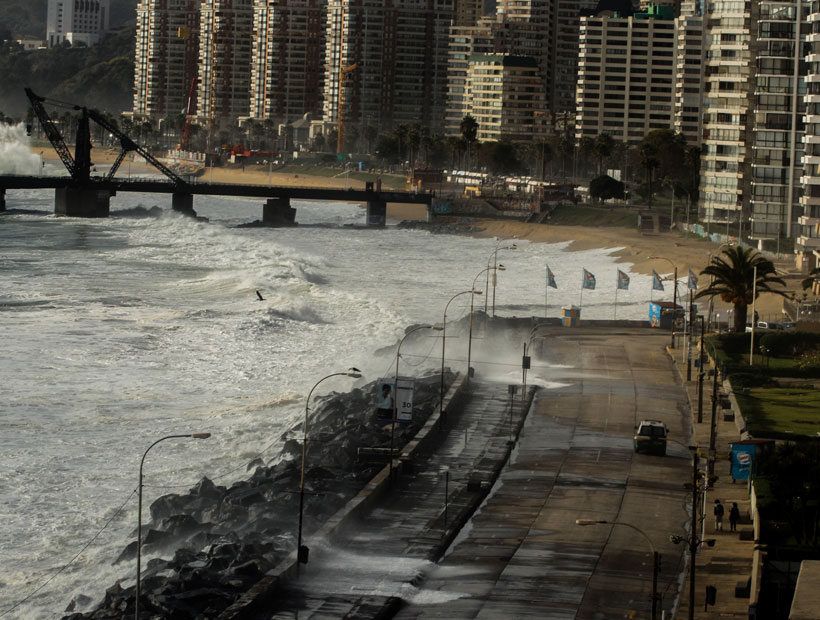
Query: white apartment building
x,y
390,60
76,21
626,75
166,56
505,96
727,79
689,74
225,47
808,229
287,67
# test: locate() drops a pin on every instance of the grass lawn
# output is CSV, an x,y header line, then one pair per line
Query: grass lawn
x,y
783,410
570,215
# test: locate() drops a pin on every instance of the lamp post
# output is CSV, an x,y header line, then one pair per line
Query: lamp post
x,y
700,372
302,552
443,340
396,387
139,513
656,558
674,297
494,256
470,331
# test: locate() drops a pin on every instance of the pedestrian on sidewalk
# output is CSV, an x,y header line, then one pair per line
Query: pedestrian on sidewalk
x,y
734,517
718,516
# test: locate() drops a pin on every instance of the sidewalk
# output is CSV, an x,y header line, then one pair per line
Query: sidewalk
x,y
729,563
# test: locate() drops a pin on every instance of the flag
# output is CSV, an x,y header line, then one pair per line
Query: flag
x,y
623,280
589,280
693,281
657,285
551,278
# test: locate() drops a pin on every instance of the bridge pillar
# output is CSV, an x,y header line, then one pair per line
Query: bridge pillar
x,y
183,203
278,212
2,199
376,213
81,202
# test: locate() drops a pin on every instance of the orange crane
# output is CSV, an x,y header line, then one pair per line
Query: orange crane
x,y
340,128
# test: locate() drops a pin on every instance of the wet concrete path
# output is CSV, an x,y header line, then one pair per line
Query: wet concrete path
x,y
521,554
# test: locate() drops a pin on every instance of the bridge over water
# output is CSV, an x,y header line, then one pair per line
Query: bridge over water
x,y
92,198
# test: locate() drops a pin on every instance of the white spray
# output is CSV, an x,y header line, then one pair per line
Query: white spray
x,y
15,155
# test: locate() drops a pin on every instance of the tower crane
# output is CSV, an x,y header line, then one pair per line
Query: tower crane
x,y
340,128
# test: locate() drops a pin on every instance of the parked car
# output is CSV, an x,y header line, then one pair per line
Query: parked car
x,y
765,326
789,326
650,437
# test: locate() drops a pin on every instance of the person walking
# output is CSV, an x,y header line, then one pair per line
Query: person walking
x,y
718,516
734,517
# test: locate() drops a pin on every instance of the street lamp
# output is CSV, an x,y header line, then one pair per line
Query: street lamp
x,y
139,513
396,388
674,296
656,558
494,256
443,339
472,298
302,552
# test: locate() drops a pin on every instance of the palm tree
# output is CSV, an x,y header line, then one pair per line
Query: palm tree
x,y
809,282
733,280
469,131
649,161
602,148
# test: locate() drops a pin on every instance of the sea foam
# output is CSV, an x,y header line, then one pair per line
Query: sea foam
x,y
15,156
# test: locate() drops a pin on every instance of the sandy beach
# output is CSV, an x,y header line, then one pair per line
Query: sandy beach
x,y
629,246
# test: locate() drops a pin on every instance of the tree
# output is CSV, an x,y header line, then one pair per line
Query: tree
x,y
605,187
733,280
603,147
650,162
469,131
807,283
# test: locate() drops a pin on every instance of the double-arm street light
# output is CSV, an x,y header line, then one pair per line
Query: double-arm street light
x,y
443,339
302,552
396,388
472,298
139,513
494,256
656,558
674,296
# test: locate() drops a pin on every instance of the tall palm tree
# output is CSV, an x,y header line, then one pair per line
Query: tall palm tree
x,y
733,280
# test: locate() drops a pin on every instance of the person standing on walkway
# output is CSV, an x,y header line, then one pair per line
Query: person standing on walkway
x,y
734,517
718,516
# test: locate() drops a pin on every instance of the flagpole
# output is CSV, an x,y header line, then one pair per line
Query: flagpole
x,y
546,290
583,281
615,312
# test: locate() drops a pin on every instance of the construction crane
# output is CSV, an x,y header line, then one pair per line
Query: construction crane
x,y
340,128
186,130
79,166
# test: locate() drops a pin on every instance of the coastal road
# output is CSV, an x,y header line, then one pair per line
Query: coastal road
x,y
522,555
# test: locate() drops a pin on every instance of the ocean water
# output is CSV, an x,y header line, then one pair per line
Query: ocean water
x,y
119,331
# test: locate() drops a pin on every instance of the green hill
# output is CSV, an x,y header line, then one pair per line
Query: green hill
x,y
100,76
27,18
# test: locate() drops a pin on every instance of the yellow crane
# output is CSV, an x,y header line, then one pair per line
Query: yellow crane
x,y
343,71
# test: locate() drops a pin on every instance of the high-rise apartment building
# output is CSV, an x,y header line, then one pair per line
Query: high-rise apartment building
x,y
225,44
689,74
506,94
76,21
776,156
519,28
626,75
287,69
807,233
566,22
727,95
166,55
386,64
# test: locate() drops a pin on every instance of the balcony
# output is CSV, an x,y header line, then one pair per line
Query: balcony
x,y
808,243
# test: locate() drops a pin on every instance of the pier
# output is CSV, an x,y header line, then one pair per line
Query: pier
x,y
92,198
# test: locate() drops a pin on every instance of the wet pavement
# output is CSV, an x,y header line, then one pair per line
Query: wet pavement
x,y
521,553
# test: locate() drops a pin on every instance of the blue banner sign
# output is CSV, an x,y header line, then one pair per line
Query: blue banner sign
x,y
742,458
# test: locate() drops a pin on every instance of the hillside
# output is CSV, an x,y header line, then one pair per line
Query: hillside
x,y
101,76
27,18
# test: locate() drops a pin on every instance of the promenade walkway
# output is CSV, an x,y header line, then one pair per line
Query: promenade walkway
x,y
729,562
